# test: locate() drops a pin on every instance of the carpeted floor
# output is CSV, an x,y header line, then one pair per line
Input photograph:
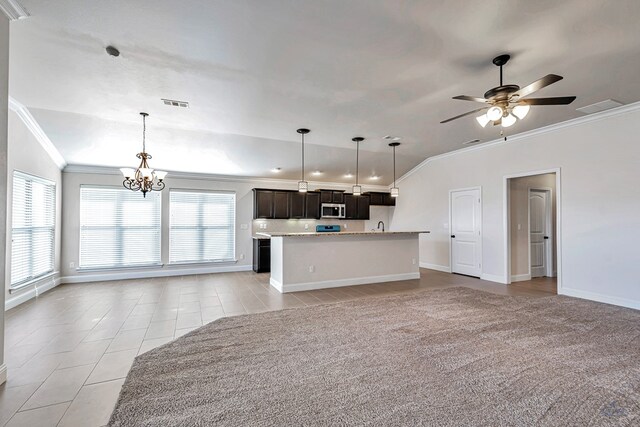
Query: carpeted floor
x,y
436,358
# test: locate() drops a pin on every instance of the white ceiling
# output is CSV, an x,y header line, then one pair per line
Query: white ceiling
x,y
256,70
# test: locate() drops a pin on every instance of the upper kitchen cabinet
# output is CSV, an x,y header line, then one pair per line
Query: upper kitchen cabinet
x,y
262,203
332,196
356,207
281,202
312,206
381,199
297,204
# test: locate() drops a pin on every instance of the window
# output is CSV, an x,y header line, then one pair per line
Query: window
x,y
202,227
33,228
118,228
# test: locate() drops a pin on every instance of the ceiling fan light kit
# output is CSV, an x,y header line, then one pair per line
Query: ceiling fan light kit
x,y
507,103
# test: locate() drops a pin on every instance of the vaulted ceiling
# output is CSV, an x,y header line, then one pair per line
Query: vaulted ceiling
x,y
254,71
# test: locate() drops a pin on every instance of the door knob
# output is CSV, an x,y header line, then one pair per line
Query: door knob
x,y
453,236
546,237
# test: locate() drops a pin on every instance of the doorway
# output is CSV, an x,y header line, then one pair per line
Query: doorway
x,y
532,212
465,219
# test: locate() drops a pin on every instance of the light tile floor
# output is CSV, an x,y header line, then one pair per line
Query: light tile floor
x,y
68,351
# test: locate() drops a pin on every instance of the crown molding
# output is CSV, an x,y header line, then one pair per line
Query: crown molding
x,y
103,170
33,126
629,108
13,10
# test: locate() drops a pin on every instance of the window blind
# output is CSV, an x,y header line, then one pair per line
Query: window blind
x,y
202,227
33,228
118,228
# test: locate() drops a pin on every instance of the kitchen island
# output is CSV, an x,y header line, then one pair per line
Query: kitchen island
x,y
305,261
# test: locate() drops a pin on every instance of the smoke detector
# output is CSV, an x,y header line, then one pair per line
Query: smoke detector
x,y
175,103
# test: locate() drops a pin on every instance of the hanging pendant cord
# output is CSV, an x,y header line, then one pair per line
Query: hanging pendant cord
x,y
302,157
357,159
144,134
394,166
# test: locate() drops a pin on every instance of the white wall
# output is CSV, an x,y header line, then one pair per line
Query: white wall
x,y
519,209
27,155
599,200
244,216
4,110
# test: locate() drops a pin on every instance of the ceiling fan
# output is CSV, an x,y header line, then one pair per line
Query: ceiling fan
x,y
505,104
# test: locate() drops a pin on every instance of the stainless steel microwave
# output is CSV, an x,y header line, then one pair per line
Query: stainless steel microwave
x,y
333,210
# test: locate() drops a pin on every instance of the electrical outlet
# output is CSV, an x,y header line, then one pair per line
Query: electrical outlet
x,y
72,265
519,226
306,226
312,268
346,225
242,256
413,261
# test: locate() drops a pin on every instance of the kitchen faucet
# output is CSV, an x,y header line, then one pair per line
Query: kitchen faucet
x,y
380,222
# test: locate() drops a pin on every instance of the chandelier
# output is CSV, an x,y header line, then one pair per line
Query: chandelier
x,y
144,178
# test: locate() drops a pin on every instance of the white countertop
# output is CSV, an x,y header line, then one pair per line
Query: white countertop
x,y
336,233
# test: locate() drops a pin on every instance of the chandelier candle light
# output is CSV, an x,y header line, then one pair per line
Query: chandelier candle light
x,y
144,178
357,189
395,191
303,186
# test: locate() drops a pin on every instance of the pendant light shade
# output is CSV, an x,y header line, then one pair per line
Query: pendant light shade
x,y
395,191
357,189
303,186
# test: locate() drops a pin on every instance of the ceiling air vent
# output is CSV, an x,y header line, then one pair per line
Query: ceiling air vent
x,y
600,106
473,141
174,103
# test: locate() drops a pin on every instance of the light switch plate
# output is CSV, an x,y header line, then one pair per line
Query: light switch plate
x,y
244,226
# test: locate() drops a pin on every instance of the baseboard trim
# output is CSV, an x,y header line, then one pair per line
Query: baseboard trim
x,y
520,277
3,374
166,272
594,296
493,278
308,286
443,268
32,292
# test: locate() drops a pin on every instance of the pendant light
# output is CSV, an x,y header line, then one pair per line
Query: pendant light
x,y
144,178
357,189
395,191
303,186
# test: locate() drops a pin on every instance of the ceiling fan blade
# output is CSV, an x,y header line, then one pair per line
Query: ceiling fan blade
x,y
470,98
538,84
465,114
560,100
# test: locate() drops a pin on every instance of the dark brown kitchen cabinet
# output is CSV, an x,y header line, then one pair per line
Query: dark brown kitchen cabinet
x,y
280,205
261,255
312,206
297,204
356,207
363,207
381,199
262,204
331,196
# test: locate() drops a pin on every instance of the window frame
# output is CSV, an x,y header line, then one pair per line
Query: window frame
x,y
82,268
232,259
33,278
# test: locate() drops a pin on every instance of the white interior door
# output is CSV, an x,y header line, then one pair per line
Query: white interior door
x,y
539,212
466,245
